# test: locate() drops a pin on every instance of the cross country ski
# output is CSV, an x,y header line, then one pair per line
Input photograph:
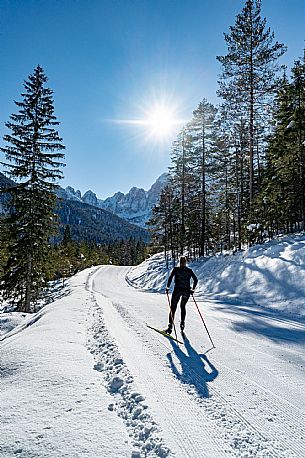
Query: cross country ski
x,y
165,334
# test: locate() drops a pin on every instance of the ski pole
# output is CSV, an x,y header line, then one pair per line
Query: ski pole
x,y
171,314
203,321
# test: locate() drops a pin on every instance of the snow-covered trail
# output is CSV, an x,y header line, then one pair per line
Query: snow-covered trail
x,y
244,398
52,403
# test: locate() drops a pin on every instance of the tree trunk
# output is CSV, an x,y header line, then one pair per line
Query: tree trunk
x,y
251,127
182,233
28,289
203,203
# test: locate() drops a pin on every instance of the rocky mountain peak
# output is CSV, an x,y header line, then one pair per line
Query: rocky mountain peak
x,y
135,206
73,195
90,198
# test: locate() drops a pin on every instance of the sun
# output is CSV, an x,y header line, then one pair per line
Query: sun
x,y
160,122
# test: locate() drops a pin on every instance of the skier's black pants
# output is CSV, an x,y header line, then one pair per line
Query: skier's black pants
x,y
177,294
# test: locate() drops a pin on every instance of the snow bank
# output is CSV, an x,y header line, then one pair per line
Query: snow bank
x,y
270,276
9,320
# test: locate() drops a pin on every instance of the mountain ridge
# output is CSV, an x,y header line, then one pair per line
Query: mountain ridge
x,y
87,222
135,206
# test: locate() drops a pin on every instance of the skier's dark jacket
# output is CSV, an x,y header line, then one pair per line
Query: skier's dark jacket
x,y
183,277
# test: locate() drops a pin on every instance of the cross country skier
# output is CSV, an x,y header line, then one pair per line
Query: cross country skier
x,y
182,290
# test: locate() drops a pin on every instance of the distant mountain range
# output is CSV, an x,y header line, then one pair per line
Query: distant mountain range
x,y
92,223
121,216
135,206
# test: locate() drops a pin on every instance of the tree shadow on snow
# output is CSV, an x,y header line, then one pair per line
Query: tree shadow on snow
x,y
196,369
272,329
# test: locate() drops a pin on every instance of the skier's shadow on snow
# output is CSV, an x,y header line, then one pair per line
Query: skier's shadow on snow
x,y
196,369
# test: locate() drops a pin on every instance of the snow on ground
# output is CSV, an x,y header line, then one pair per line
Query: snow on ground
x,y
52,402
243,399
85,376
9,319
269,277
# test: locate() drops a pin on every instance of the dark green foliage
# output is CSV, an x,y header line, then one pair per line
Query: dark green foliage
x,y
248,83
181,219
69,257
203,137
95,224
33,160
238,174
283,192
164,225
86,222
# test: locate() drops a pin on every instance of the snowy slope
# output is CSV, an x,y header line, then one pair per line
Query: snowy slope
x,y
267,277
86,377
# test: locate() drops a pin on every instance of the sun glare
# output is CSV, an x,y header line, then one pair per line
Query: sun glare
x,y
161,122
158,123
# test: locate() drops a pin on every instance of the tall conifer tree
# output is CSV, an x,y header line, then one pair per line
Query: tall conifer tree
x,y
33,160
203,138
284,187
248,80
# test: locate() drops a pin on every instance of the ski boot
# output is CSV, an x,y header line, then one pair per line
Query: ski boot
x,y
169,329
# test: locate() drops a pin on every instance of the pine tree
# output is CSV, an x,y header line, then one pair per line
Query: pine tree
x,y
181,156
33,160
249,78
283,193
203,138
163,224
67,236
298,128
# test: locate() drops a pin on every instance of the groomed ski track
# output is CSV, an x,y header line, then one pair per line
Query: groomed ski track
x,y
245,398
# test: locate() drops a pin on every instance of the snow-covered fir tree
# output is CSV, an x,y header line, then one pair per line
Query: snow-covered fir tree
x,y
33,161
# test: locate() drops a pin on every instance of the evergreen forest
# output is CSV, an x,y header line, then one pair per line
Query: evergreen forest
x,y
237,169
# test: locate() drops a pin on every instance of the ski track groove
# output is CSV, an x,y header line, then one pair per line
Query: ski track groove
x,y
218,405
143,430
290,323
184,439
226,374
183,428
275,405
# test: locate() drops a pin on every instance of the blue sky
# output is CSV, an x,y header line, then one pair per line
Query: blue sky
x,y
113,59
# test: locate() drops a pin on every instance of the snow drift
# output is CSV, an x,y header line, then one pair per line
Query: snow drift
x,y
271,276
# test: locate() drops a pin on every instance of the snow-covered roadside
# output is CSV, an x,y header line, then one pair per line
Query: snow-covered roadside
x,y
270,277
53,403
